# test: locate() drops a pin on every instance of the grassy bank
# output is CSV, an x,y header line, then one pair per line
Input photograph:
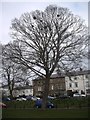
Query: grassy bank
x,y
48,113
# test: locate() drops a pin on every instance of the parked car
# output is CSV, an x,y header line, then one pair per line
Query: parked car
x,y
50,97
79,95
32,98
6,99
83,95
2,105
21,99
63,96
38,104
35,98
76,95
29,97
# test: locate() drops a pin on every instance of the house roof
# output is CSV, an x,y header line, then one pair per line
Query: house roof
x,y
74,73
52,77
19,87
57,76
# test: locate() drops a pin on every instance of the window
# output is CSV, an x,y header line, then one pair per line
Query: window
x,y
88,91
76,84
52,87
70,85
26,91
39,88
82,92
86,83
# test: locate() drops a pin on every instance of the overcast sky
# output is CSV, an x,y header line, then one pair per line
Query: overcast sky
x,y
10,10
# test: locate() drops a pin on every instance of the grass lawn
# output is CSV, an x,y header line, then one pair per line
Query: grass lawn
x,y
49,113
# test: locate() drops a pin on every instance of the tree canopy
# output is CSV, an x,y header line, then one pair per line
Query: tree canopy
x,y
46,38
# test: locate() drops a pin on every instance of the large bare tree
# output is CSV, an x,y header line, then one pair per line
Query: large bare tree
x,y
46,38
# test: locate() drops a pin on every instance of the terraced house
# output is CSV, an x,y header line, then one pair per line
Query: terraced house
x,y
57,85
75,82
19,89
79,82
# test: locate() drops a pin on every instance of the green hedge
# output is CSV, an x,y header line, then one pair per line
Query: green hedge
x,y
59,103
20,104
71,102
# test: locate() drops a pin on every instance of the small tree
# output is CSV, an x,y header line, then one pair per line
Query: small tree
x,y
12,73
47,38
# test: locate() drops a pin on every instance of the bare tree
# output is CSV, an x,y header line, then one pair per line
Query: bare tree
x,y
46,38
12,73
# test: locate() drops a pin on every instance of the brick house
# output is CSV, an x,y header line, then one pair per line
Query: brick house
x,y
57,86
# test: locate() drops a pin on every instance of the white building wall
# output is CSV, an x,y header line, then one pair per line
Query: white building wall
x,y
23,92
28,92
87,83
80,82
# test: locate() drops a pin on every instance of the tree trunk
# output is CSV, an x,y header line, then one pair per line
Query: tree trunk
x,y
45,92
11,93
10,86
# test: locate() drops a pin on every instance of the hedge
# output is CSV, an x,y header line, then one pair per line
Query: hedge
x,y
58,103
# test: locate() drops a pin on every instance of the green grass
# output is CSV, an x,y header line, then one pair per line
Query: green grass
x,y
48,113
